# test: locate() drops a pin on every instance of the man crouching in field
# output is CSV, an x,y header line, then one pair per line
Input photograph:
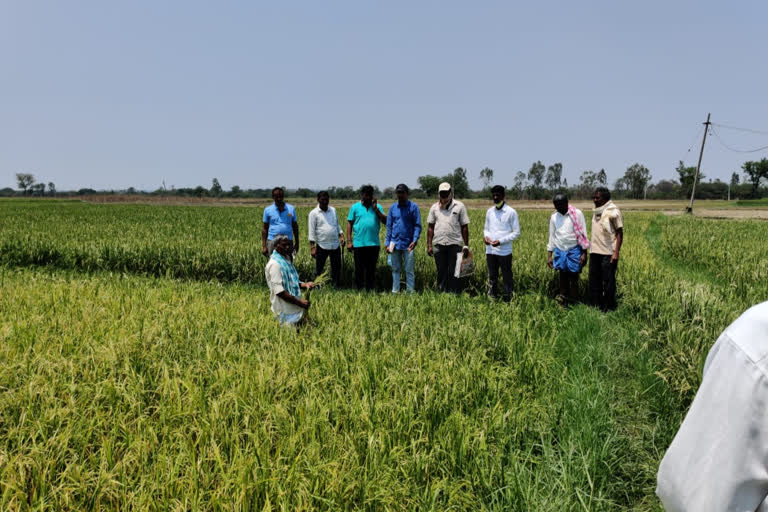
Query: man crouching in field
x,y
284,285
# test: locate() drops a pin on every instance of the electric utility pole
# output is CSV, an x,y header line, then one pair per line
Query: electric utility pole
x,y
698,166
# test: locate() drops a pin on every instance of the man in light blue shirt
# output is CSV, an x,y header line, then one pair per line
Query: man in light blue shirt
x,y
279,219
363,224
501,228
403,231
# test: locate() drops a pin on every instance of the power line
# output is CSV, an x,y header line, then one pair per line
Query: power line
x,y
749,130
729,148
693,143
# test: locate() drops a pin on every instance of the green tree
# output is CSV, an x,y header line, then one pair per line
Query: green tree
x,y
25,180
429,184
486,176
637,177
235,191
686,176
554,176
734,179
52,188
200,191
602,178
756,171
459,182
536,174
38,189
588,180
215,187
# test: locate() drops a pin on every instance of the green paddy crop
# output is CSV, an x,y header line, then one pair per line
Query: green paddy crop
x,y
124,387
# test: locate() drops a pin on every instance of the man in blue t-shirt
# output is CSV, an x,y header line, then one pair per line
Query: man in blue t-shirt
x,y
279,219
403,231
363,223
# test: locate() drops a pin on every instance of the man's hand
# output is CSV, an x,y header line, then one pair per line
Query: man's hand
x,y
264,250
341,239
615,257
550,263
487,240
583,259
429,250
465,252
389,251
495,243
411,246
349,246
303,303
309,285
313,251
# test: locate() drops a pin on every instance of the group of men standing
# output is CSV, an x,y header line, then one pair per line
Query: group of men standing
x,y
447,240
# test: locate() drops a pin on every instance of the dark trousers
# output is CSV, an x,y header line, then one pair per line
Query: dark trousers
x,y
495,263
569,285
445,260
323,254
365,266
602,281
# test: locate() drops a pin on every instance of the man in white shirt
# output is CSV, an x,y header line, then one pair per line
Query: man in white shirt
x,y
501,228
718,461
324,235
284,284
567,247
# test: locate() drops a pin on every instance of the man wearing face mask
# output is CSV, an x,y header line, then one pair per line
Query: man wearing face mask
x,y
502,227
567,247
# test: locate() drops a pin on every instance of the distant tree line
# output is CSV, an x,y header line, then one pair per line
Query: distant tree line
x,y
540,182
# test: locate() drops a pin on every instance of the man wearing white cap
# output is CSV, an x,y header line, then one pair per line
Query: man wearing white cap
x,y
447,236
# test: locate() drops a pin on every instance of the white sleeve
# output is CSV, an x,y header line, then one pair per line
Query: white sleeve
x,y
551,243
311,227
335,216
486,228
275,278
718,459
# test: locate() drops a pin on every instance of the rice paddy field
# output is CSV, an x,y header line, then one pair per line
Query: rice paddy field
x,y
141,368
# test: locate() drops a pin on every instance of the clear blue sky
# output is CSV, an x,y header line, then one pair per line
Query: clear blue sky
x,y
117,94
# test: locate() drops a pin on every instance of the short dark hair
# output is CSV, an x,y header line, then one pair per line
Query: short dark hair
x,y
497,188
404,187
281,189
366,189
559,197
323,193
604,193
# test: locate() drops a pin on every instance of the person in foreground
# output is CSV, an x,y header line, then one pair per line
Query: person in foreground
x,y
718,461
448,229
567,247
607,237
502,227
363,224
403,231
325,234
279,219
284,284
